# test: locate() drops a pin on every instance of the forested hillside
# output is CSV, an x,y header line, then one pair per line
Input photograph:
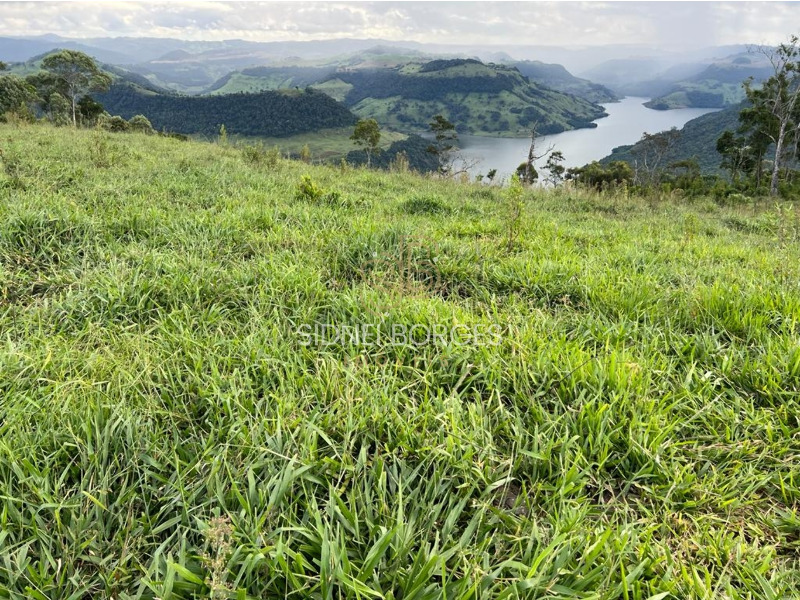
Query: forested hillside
x,y
268,114
697,140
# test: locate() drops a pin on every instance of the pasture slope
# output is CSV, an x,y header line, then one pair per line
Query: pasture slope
x,y
170,429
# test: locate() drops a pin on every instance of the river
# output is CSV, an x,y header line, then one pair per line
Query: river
x,y
626,122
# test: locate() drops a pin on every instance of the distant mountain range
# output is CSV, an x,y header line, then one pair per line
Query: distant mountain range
x,y
717,86
715,83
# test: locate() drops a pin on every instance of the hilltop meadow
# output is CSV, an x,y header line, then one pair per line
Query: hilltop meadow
x,y
172,426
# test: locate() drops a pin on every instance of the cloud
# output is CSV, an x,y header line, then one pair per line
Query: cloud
x,y
681,24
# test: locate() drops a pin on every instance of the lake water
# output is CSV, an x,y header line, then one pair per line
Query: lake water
x,y
626,122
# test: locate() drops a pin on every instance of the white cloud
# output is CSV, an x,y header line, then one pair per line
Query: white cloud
x,y
681,24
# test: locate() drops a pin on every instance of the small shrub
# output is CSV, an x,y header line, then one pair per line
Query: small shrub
x,y
400,164
140,124
102,153
115,124
18,117
305,154
257,154
307,190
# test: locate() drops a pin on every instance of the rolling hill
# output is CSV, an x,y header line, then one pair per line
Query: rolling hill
x,y
259,79
480,99
263,114
403,92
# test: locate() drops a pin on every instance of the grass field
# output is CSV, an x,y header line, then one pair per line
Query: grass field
x,y
167,431
325,145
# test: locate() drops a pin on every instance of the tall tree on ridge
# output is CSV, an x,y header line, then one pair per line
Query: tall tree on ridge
x,y
75,74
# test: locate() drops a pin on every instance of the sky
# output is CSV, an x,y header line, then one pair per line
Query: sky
x,y
667,24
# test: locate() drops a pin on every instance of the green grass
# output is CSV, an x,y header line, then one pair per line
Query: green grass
x,y
165,433
325,144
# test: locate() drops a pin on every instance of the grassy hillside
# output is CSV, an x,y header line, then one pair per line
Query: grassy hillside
x,y
166,426
698,140
553,76
403,92
324,144
479,99
260,79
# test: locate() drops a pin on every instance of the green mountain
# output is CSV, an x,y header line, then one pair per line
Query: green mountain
x,y
698,140
558,78
480,99
717,86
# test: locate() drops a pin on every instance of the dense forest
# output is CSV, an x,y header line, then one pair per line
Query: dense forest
x,y
268,114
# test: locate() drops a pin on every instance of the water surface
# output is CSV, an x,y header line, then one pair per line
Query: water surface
x,y
626,122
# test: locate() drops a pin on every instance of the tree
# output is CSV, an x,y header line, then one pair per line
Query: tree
x,y
595,175
527,171
58,109
555,168
15,95
89,110
367,134
446,143
775,106
75,74
651,152
737,154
